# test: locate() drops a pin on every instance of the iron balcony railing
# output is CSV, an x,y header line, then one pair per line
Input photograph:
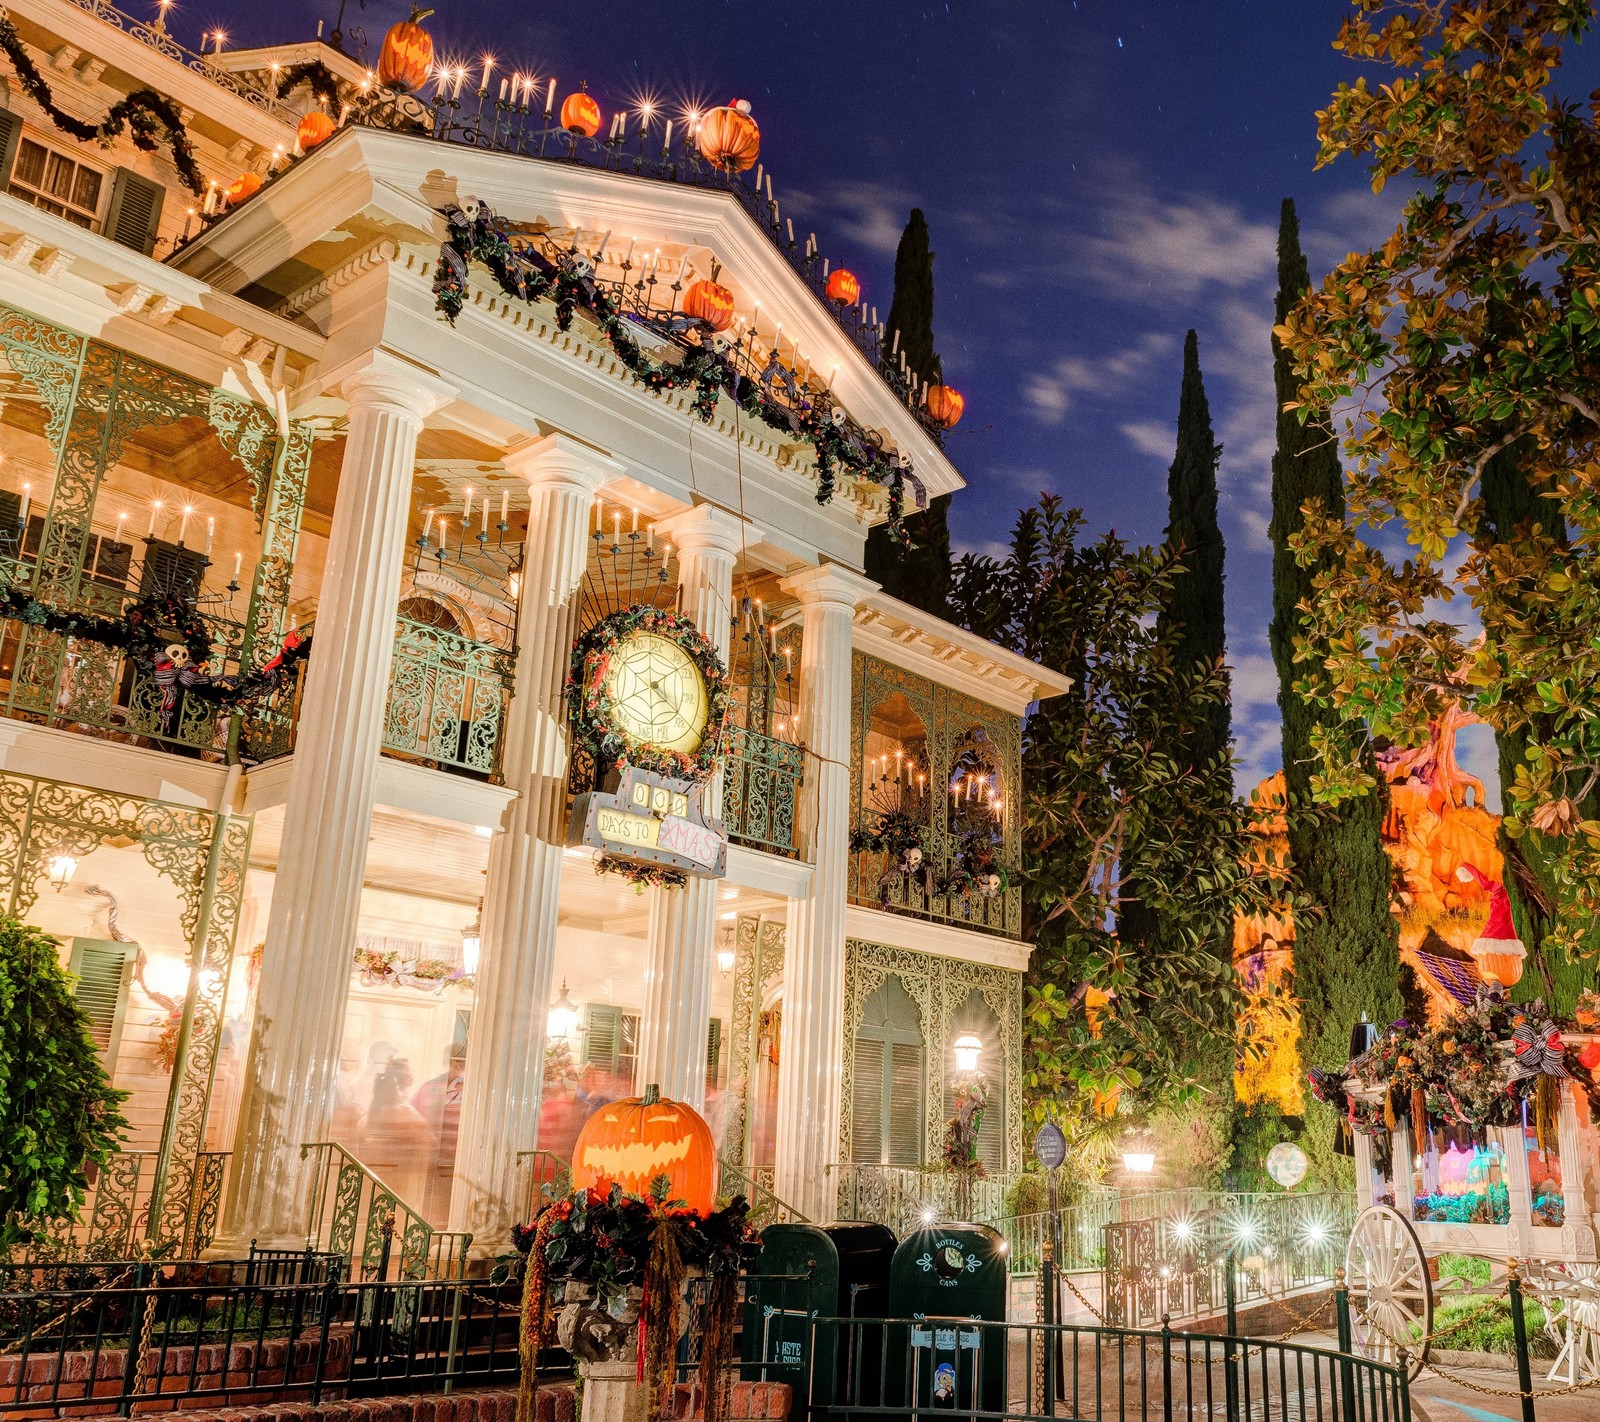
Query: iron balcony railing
x,y
906,1197
760,788
542,1178
765,1207
873,884
446,709
356,1216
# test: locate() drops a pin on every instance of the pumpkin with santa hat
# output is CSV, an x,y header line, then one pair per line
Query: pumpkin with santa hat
x,y
1497,951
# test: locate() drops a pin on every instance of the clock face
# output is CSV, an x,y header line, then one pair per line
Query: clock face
x,y
657,695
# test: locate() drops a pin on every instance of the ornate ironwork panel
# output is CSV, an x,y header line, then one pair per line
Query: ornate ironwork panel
x,y
447,698
49,358
949,717
204,856
757,973
938,986
760,786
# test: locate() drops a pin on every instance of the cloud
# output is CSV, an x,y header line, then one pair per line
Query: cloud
x,y
1156,438
1051,393
868,215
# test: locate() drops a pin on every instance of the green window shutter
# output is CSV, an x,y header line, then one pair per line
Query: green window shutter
x,y
10,136
602,1036
171,571
713,1052
866,1103
104,970
134,215
902,1125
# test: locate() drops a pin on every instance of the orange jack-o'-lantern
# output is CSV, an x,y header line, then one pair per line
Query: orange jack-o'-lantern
x,y
945,405
580,114
843,288
729,138
710,302
316,127
629,1143
407,55
247,184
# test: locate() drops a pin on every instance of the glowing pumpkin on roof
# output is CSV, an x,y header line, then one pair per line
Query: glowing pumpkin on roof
x,y
843,288
629,1143
945,405
580,114
729,138
316,127
406,58
247,184
710,302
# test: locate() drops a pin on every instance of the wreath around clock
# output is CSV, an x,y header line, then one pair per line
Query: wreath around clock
x,y
593,717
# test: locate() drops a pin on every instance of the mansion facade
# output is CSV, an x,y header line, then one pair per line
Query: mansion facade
x,y
294,569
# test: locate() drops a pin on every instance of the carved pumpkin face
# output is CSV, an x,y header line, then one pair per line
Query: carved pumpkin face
x,y
631,1142
729,138
244,186
709,302
316,127
407,55
945,405
843,288
580,115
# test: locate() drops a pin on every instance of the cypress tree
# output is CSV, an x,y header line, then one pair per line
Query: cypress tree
x,y
920,574
1346,954
1193,614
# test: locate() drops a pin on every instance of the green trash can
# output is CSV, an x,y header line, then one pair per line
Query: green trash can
x,y
946,1282
805,1272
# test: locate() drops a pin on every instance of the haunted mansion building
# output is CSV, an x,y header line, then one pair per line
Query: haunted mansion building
x,y
440,692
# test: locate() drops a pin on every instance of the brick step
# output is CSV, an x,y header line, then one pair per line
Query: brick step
x,y
554,1403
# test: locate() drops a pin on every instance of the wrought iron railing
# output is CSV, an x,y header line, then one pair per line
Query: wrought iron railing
x,y
906,1197
1078,1230
875,885
760,786
358,1217
114,1222
765,1207
1177,1265
541,1178
447,703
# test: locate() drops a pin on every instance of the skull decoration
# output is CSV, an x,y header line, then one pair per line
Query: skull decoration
x,y
719,342
991,885
903,460
580,266
837,416
911,861
471,208
178,654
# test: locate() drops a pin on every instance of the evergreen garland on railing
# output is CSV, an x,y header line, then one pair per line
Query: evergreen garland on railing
x,y
142,113
322,81
527,275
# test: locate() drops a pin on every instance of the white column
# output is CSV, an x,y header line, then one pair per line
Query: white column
x,y
505,1056
683,922
316,900
810,1078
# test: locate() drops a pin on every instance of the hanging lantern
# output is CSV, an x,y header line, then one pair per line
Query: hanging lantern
x,y
316,127
406,59
945,405
729,138
246,185
843,288
630,1143
711,302
580,114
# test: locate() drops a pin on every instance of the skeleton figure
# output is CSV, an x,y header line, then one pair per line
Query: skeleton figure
x,y
172,670
781,390
909,868
919,490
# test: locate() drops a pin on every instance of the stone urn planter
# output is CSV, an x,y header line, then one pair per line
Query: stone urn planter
x,y
604,1343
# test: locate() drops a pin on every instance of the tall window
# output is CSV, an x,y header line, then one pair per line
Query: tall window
x,y
886,1100
57,183
976,1018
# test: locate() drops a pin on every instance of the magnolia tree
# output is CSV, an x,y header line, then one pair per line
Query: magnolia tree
x,y
1466,350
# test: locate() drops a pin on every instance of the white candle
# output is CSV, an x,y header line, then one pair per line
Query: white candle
x,y
211,532
616,526
503,87
155,508
121,519
488,64
666,142
485,507
666,557
461,77
635,527
550,98
427,525
27,498
183,523
466,511
649,538
238,559
505,501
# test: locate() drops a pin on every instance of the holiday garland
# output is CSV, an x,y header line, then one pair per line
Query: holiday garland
x,y
524,273
592,707
322,81
143,113
643,876
145,633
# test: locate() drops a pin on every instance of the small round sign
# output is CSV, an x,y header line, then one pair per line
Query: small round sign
x,y
1286,1164
1050,1146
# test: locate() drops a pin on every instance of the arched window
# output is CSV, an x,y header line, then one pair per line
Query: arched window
x,y
975,1018
886,1093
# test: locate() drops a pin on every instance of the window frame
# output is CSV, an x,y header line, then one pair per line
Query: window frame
x,y
37,195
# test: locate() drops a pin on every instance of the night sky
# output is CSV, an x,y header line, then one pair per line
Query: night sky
x,y
1098,176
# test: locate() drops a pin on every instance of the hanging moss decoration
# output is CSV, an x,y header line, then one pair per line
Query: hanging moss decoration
x,y
145,114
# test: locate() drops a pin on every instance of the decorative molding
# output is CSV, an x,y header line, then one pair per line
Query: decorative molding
x,y
297,303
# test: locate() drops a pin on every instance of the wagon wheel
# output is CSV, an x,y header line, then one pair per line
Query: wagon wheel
x,y
1391,1295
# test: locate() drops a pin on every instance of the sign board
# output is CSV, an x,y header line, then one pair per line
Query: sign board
x,y
1050,1146
652,819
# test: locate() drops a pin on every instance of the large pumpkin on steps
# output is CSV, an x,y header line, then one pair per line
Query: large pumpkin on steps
x,y
629,1143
